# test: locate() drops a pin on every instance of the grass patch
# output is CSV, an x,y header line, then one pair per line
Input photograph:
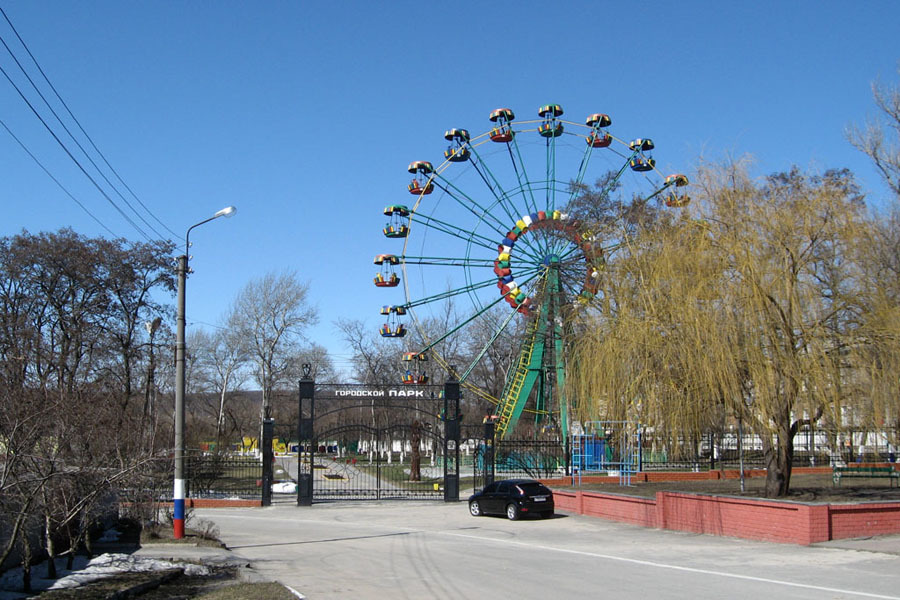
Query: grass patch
x,y
242,591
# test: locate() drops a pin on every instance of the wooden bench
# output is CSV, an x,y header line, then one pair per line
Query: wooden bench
x,y
873,472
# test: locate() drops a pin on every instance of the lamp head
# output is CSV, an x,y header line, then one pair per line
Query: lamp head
x,y
225,212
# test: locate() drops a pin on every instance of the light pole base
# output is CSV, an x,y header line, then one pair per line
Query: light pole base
x,y
178,510
178,527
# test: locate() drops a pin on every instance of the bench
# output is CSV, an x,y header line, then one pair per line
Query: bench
x,y
873,472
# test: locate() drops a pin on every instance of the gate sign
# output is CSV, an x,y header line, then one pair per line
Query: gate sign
x,y
404,392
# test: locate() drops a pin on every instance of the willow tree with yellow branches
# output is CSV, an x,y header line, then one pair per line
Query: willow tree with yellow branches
x,y
747,305
877,351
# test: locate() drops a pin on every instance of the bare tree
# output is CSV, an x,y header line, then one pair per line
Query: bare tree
x,y
221,358
877,140
499,357
270,315
71,352
375,360
316,356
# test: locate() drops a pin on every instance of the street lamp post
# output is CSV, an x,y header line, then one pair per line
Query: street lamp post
x,y
181,269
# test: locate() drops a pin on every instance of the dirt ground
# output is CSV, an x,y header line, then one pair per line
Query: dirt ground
x,y
804,488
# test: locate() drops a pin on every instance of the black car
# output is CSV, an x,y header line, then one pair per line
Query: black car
x,y
513,498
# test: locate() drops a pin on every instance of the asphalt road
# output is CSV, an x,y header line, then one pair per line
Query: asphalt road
x,y
436,550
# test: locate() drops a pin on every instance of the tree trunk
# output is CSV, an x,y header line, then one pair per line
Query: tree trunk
x,y
51,548
220,420
415,460
779,458
26,564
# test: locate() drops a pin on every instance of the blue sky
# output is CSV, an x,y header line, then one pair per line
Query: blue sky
x,y
305,115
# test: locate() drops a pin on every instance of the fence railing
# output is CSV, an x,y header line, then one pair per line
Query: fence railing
x,y
208,476
718,450
223,475
641,451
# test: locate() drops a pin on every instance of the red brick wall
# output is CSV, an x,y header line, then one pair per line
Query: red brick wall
x,y
748,518
567,501
737,517
616,507
856,520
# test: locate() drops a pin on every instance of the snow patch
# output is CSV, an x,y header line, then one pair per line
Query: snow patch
x,y
100,567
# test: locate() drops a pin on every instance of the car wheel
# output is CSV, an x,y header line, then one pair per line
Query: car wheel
x,y
512,512
475,509
547,514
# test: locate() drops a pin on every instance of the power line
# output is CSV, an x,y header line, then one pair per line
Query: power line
x,y
80,147
50,175
86,135
75,160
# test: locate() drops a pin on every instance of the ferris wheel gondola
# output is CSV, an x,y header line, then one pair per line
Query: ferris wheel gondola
x,y
387,275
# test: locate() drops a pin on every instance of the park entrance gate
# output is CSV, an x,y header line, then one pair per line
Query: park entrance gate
x,y
363,442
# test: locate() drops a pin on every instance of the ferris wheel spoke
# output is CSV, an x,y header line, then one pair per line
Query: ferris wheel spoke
x,y
464,323
556,246
451,293
450,229
467,201
570,253
612,183
522,175
537,247
532,249
667,184
505,198
550,167
488,345
550,129
582,168
494,186
504,133
447,261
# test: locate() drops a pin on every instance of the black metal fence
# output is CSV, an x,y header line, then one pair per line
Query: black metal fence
x,y
514,458
208,476
380,466
642,451
223,476
812,448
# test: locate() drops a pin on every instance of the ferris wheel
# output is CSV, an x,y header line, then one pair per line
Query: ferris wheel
x,y
490,224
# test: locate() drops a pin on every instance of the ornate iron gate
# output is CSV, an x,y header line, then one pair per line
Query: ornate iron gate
x,y
359,442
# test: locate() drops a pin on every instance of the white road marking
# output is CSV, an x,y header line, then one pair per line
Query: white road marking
x,y
659,565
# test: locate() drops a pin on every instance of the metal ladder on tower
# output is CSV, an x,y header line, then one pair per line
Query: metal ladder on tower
x,y
510,398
